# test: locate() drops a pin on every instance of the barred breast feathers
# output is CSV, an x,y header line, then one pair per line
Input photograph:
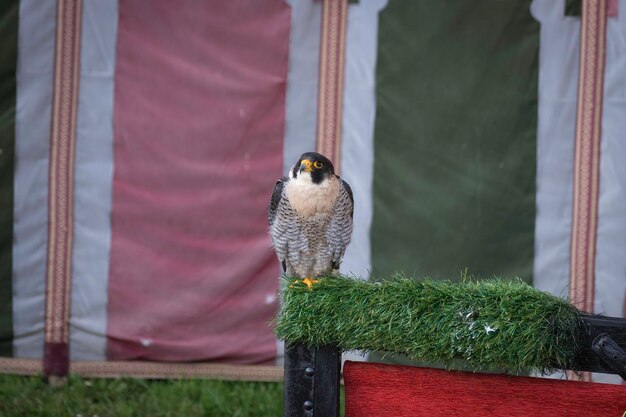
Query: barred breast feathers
x,y
340,228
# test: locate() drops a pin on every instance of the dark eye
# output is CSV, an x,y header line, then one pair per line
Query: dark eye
x,y
318,164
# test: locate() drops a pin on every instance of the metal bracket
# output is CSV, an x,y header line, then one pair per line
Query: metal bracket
x,y
611,353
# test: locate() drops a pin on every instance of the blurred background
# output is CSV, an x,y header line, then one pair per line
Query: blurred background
x,y
140,141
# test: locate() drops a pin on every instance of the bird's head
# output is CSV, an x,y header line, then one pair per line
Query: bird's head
x,y
314,164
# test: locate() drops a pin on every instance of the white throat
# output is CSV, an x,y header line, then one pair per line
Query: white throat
x,y
308,198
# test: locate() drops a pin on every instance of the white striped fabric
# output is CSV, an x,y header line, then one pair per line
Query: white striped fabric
x,y
301,100
32,145
610,287
611,244
558,83
558,80
93,177
301,117
357,153
93,182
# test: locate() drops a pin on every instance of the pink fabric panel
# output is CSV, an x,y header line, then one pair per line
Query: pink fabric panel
x,y
612,8
199,118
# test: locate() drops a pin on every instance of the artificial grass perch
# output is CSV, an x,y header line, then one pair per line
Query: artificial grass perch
x,y
493,324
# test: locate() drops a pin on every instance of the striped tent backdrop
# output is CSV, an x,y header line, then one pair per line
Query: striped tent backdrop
x,y
140,141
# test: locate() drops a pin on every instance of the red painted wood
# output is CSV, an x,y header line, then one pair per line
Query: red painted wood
x,y
377,390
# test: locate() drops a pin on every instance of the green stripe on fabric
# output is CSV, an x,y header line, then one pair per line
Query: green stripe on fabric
x,y
455,139
9,14
573,7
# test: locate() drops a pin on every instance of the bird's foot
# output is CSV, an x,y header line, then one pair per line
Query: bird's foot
x,y
309,282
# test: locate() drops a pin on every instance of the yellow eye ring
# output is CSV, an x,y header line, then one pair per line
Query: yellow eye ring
x,y
318,164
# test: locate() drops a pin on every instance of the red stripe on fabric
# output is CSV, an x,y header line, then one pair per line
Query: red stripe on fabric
x,y
60,203
588,194
590,165
335,85
576,281
331,84
587,157
377,390
199,118
587,149
581,273
599,100
612,7
334,21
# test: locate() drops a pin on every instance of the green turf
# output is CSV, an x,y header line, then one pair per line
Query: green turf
x,y
31,396
493,324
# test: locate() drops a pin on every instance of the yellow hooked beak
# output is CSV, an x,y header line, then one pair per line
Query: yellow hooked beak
x,y
306,165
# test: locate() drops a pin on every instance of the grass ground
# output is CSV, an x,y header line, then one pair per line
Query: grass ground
x,y
32,397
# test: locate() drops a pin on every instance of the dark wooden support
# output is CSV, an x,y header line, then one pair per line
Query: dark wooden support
x,y
312,378
299,370
326,381
611,353
592,327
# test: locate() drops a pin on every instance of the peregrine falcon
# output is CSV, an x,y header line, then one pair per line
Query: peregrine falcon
x,y
310,218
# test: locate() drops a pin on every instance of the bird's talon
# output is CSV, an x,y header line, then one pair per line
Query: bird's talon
x,y
309,282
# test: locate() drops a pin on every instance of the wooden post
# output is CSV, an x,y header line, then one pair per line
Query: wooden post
x,y
312,377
